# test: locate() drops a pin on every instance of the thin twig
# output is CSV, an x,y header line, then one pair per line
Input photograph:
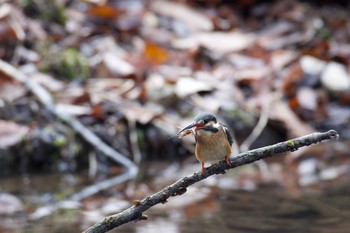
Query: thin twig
x,y
135,212
258,129
46,100
260,126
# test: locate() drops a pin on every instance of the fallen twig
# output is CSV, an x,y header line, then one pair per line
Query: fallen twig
x,y
258,129
46,100
260,126
135,212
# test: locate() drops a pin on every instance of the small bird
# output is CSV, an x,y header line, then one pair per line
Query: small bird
x,y
213,140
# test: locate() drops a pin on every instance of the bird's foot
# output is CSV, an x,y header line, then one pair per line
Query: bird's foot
x,y
203,168
228,164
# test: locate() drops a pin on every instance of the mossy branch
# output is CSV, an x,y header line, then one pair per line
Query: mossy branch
x,y
135,212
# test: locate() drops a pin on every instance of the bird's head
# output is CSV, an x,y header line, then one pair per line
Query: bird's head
x,y
205,121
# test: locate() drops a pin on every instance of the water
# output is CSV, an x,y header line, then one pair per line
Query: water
x,y
265,210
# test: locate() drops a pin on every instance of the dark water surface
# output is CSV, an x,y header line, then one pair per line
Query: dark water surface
x,y
265,210
261,211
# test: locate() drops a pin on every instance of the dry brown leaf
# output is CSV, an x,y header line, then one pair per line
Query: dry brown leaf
x,y
154,54
5,10
104,11
242,61
252,74
48,81
282,41
224,42
11,133
307,98
10,90
143,114
108,89
194,20
295,126
69,95
282,58
116,65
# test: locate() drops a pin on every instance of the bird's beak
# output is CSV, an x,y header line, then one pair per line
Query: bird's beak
x,y
194,125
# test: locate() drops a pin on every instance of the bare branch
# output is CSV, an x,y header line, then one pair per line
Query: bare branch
x,y
135,212
45,98
47,101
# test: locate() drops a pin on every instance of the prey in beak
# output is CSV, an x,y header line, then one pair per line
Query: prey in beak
x,y
204,121
192,128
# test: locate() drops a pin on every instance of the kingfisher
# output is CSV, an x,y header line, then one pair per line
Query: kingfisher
x,y
213,139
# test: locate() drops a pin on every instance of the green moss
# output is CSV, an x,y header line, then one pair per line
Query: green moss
x,y
67,65
59,142
241,116
47,10
108,220
141,139
73,65
290,143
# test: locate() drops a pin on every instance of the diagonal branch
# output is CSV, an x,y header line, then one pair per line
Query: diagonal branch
x,y
135,212
46,100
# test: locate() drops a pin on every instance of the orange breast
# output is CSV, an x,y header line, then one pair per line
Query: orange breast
x,y
212,147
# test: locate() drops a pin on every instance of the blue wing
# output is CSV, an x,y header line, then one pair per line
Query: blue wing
x,y
228,135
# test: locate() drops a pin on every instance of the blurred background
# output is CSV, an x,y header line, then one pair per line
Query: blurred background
x,y
93,92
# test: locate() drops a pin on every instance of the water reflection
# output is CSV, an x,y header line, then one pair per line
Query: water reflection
x,y
266,211
263,210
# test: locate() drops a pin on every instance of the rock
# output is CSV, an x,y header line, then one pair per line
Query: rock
x,y
311,65
9,204
335,77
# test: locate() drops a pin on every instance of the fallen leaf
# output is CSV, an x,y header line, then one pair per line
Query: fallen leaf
x,y
307,98
274,30
171,73
70,94
143,114
295,126
104,11
116,65
5,10
216,41
187,85
252,74
72,109
48,81
157,88
108,89
11,133
281,42
194,20
10,90
154,54
241,61
282,58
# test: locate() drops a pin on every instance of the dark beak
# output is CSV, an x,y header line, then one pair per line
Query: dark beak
x,y
194,124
